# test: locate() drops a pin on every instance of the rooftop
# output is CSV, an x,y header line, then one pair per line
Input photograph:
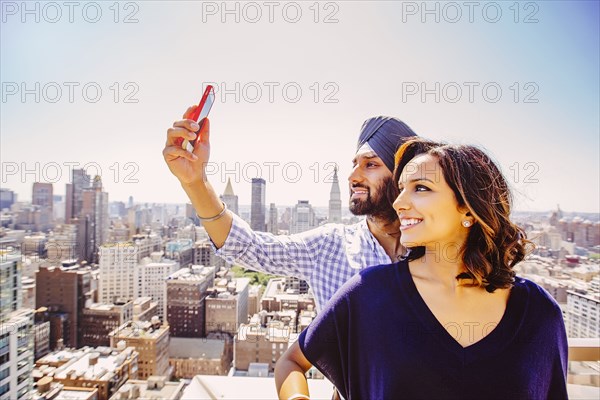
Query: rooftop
x,y
67,362
141,329
196,348
155,387
250,388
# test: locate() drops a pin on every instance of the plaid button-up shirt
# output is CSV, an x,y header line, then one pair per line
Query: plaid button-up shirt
x,y
325,257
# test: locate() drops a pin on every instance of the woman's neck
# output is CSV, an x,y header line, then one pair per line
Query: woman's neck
x,y
440,265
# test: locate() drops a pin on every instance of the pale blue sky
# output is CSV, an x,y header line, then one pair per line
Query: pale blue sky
x,y
364,61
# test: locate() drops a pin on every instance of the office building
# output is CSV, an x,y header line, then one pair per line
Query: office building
x,y
286,294
98,320
260,344
151,274
273,224
117,279
199,356
16,354
303,217
180,250
186,293
41,339
42,195
7,198
93,221
227,305
63,292
151,341
62,244
11,294
74,198
16,331
257,206
144,309
583,314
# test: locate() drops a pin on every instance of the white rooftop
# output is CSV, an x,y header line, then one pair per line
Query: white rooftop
x,y
250,388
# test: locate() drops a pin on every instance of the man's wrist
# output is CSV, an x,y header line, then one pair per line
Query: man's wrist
x,y
194,185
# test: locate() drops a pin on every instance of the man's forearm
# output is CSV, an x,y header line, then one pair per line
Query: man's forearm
x,y
207,204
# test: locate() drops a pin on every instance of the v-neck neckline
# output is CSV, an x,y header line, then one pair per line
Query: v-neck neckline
x,y
492,343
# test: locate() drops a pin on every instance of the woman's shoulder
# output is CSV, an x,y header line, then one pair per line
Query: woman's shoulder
x,y
538,298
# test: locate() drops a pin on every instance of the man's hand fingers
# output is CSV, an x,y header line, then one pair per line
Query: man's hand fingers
x,y
179,132
171,153
190,110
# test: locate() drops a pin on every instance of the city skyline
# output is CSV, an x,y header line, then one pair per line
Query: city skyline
x,y
321,209
518,79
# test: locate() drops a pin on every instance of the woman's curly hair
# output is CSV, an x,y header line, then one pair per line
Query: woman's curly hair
x,y
494,244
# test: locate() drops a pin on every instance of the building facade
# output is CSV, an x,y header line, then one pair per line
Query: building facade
x,y
257,206
187,290
583,315
151,341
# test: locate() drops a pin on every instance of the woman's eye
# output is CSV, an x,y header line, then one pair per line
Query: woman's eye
x,y
421,188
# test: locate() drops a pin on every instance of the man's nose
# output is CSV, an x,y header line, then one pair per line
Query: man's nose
x,y
355,175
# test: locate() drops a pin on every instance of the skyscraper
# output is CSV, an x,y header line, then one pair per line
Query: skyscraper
x,y
303,217
273,224
229,198
79,181
257,208
151,273
186,293
335,201
117,271
93,220
64,292
42,195
7,198
16,331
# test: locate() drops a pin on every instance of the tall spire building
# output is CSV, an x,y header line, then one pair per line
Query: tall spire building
x,y
229,198
335,201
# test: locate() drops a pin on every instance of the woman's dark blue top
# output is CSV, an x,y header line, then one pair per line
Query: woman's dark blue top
x,y
377,339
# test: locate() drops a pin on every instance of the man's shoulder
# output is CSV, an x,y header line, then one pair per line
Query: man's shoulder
x,y
343,229
371,277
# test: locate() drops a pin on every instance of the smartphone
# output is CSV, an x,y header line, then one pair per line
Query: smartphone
x,y
201,112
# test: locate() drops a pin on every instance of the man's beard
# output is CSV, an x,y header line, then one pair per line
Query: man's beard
x,y
378,202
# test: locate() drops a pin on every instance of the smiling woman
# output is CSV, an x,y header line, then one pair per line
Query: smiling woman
x,y
451,320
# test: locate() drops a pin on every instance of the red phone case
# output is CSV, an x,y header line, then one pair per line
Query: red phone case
x,y
194,116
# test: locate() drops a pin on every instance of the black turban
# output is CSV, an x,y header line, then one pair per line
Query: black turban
x,y
384,135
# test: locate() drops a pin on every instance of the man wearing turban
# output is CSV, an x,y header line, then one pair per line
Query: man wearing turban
x,y
324,257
